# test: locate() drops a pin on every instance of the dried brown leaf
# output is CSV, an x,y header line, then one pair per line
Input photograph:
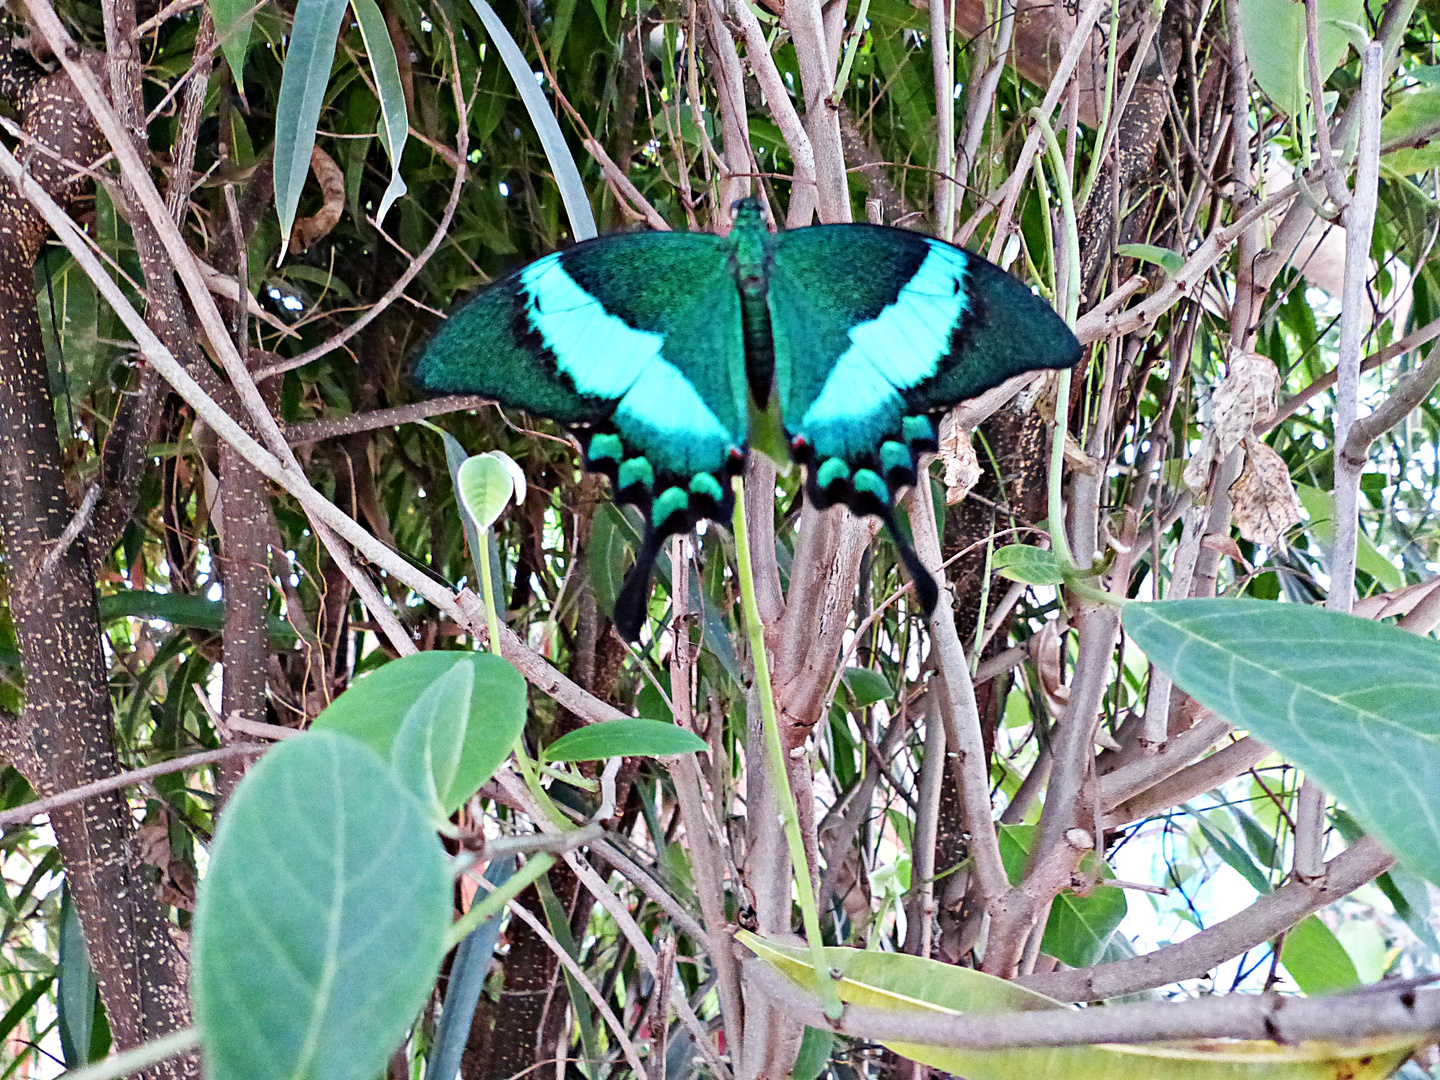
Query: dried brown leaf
x,y
309,230
1266,505
962,467
1245,397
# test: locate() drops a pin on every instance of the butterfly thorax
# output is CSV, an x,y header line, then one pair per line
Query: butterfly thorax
x,y
749,262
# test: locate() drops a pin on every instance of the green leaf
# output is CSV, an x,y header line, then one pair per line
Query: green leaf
x,y
624,738
912,983
233,21
427,749
1413,114
23,1004
484,486
1170,261
302,95
1234,854
320,925
1315,958
562,162
183,609
1275,43
1367,728
1320,508
1028,565
606,556
375,707
75,996
867,686
1411,899
1079,926
815,1048
395,122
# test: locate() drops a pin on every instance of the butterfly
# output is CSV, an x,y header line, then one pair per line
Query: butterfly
x,y
665,352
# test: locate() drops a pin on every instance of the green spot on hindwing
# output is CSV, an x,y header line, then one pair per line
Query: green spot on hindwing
x,y
868,482
918,429
671,501
606,448
636,471
895,455
830,471
707,485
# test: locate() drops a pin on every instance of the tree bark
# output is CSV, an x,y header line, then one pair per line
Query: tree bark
x,y
64,738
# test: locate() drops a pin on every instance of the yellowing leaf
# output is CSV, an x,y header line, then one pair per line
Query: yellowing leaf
x,y
907,983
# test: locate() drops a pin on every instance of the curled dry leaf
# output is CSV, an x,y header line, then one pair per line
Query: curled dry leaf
x,y
1197,469
1245,397
962,468
1045,650
309,230
1266,505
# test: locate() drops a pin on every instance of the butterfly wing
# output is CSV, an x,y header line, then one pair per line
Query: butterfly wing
x,y
635,342
876,331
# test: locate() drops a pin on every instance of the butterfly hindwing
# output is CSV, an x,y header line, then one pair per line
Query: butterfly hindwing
x,y
635,341
878,331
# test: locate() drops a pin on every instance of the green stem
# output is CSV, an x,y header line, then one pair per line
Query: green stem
x,y
138,1057
495,902
487,588
1110,72
775,758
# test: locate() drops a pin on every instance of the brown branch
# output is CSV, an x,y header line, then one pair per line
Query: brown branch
x,y
1377,1012
1358,864
335,427
31,810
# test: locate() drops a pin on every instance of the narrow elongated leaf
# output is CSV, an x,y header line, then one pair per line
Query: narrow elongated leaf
x,y
562,162
427,749
395,121
624,738
1172,262
1079,927
1354,703
75,996
909,983
373,710
234,20
1315,959
302,95
1320,506
320,925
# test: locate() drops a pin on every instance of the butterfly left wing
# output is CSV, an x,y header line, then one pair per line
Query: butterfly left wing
x,y
633,341
876,332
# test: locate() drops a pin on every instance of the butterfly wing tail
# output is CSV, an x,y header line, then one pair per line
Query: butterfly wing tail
x,y
634,594
926,590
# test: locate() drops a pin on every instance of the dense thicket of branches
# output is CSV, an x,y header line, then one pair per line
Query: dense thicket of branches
x,y
159,576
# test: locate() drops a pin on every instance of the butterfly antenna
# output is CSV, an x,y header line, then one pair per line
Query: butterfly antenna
x,y
634,595
926,590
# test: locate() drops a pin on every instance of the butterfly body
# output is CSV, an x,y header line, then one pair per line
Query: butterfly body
x,y
659,348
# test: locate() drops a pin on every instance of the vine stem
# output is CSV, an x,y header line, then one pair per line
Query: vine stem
x,y
495,902
492,620
775,757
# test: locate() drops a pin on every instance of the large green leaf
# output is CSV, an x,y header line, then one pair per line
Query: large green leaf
x,y
1315,959
1079,926
897,981
624,738
374,709
394,120
302,94
428,747
1275,44
1354,703
320,925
